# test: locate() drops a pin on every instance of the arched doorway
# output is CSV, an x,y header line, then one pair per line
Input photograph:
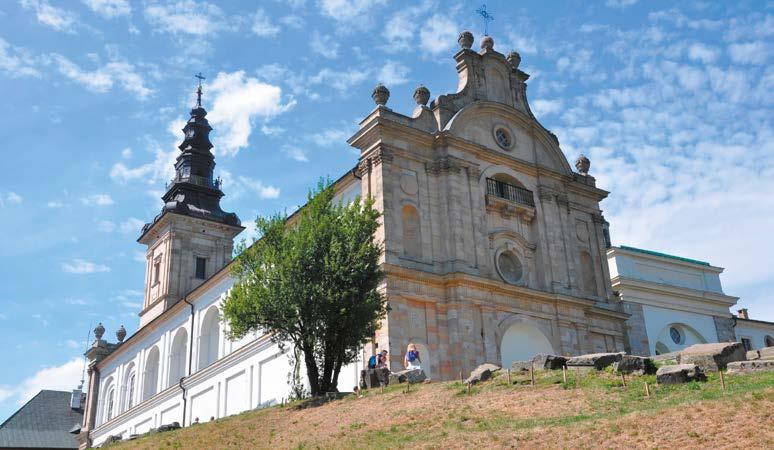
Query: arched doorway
x,y
677,336
521,341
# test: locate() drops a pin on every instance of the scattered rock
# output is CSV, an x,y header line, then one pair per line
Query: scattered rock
x,y
638,365
168,427
521,366
767,353
549,362
679,373
596,360
740,367
482,373
753,354
713,357
667,357
411,376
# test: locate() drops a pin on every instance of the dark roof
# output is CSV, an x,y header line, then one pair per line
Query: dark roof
x,y
43,422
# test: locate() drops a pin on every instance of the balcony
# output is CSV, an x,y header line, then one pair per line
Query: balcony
x,y
509,200
197,180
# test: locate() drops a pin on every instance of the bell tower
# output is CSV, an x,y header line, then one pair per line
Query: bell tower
x,y
192,237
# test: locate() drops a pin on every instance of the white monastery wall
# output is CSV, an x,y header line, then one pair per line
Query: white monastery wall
x,y
694,328
756,332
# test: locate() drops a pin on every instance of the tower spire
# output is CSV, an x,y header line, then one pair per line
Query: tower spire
x,y
199,90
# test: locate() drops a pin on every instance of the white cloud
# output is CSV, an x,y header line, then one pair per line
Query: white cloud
x,y
295,153
342,81
324,45
109,8
439,34
522,44
60,378
97,200
352,12
51,16
749,53
103,78
238,102
393,73
11,198
701,52
81,266
264,191
16,61
186,17
71,343
262,25
54,204
126,153
293,21
620,3
105,226
545,107
329,138
132,225
400,30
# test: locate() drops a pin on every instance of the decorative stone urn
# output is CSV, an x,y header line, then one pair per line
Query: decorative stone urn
x,y
421,95
381,94
582,164
487,43
121,333
465,40
99,331
514,58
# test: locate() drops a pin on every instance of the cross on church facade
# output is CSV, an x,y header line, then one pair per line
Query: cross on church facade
x,y
486,17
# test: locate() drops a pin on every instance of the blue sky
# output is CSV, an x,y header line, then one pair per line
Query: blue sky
x,y
671,102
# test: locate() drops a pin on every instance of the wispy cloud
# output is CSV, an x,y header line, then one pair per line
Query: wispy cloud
x,y
262,24
97,200
81,267
51,16
109,8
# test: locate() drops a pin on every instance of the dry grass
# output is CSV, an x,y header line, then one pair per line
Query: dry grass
x,y
593,411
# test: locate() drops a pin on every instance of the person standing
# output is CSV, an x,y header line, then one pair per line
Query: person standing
x,y
412,359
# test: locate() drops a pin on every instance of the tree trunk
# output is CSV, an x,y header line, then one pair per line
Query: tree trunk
x,y
311,371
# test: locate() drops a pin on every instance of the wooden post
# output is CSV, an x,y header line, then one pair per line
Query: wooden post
x,y
381,388
460,375
647,390
564,374
623,380
469,387
532,373
722,380
508,371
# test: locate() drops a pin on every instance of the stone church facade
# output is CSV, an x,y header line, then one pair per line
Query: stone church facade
x,y
493,244
494,249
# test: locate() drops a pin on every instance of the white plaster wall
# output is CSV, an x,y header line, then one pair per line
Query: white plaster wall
x,y
663,271
521,342
756,333
656,319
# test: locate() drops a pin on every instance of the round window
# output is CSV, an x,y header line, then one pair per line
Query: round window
x,y
675,334
503,138
509,266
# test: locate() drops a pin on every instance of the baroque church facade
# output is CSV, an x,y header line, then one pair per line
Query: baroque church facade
x,y
495,249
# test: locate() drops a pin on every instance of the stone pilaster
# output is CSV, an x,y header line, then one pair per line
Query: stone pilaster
x,y
725,329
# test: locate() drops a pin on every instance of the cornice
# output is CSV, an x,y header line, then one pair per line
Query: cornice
x,y
615,251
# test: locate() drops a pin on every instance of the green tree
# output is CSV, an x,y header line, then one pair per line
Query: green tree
x,y
311,280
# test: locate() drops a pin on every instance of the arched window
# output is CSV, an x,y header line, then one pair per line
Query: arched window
x,y
588,280
768,341
130,380
151,375
209,338
109,402
177,357
412,237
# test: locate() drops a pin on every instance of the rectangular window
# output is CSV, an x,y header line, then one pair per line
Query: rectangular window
x,y
747,344
201,267
156,271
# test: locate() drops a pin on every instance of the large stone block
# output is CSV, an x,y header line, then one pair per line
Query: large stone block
x,y
713,357
638,365
373,378
760,365
753,354
671,357
482,373
679,373
549,362
411,376
596,360
767,353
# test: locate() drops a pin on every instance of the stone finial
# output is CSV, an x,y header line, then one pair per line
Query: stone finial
x,y
514,58
487,43
465,39
121,333
582,164
99,331
381,94
421,95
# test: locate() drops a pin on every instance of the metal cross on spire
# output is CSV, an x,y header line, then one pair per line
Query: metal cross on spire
x,y
486,17
199,90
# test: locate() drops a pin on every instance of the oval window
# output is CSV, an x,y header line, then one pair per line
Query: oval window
x,y
503,138
675,334
509,266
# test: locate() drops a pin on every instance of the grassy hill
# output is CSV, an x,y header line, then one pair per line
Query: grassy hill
x,y
592,410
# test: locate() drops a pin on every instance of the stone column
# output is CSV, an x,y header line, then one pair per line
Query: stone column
x,y
90,409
